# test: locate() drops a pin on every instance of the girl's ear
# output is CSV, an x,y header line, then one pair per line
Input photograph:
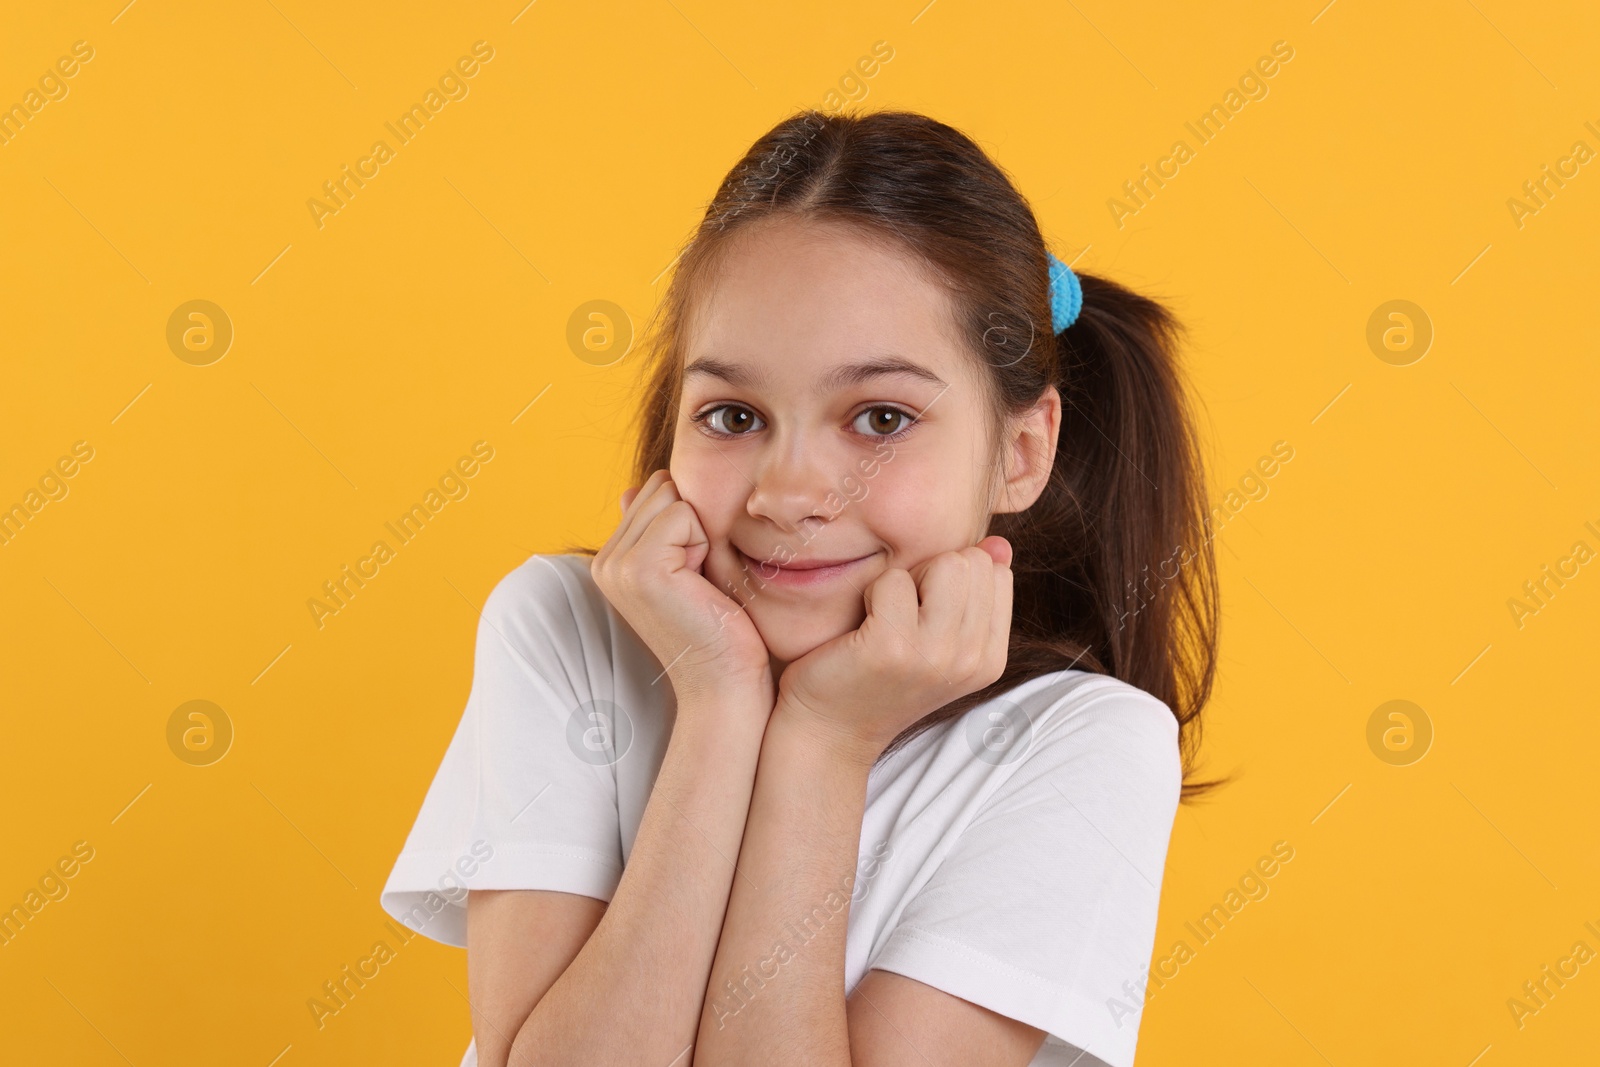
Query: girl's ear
x,y
1030,453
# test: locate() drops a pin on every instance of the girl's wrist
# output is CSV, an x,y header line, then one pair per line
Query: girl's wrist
x,y
795,725
734,708
712,686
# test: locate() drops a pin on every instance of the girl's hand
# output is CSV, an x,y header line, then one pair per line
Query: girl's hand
x,y
931,635
650,571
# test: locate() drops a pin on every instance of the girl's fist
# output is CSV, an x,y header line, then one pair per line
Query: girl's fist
x,y
650,571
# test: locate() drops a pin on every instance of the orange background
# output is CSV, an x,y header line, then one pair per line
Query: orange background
x,y
431,312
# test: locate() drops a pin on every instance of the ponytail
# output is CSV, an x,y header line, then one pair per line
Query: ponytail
x,y
1134,580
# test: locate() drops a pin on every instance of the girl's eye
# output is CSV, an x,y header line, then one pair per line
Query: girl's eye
x,y
883,422
730,420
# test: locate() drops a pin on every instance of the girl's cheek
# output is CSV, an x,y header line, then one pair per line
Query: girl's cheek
x,y
917,510
698,483
686,468
854,486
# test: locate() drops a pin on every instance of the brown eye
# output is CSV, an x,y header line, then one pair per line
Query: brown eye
x,y
732,420
882,421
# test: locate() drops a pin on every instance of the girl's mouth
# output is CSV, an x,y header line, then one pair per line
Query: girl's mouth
x,y
800,572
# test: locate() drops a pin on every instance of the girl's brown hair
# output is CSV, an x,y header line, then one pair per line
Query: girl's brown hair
x,y
1113,566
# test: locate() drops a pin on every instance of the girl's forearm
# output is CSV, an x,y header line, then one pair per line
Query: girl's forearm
x,y
652,949
777,988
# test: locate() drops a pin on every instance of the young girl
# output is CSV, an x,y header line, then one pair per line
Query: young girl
x,y
860,740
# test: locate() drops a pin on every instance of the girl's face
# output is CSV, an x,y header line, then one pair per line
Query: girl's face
x,y
831,427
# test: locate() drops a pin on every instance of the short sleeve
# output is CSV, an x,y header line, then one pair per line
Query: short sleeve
x,y
519,800
1046,904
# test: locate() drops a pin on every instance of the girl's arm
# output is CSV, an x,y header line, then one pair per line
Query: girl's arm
x,y
777,994
518,943
634,991
777,989
651,951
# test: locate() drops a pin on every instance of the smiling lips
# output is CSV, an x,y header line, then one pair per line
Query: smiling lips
x,y
797,572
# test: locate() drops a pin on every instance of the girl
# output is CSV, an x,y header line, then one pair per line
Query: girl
x,y
860,740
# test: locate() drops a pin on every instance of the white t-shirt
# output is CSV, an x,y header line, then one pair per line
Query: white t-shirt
x,y
1012,857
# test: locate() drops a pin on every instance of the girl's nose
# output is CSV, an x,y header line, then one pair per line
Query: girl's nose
x,y
792,488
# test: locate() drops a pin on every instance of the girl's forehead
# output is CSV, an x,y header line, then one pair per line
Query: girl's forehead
x,y
808,297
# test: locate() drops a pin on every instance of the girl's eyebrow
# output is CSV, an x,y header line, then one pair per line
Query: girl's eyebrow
x,y
849,374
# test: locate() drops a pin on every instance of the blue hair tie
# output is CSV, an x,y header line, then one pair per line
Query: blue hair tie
x,y
1066,294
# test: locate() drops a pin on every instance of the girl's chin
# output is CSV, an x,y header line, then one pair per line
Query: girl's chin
x,y
789,637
